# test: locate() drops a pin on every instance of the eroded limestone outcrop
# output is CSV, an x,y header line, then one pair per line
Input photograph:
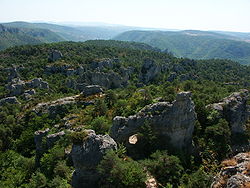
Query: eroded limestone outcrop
x,y
55,55
235,110
17,87
235,172
87,155
91,90
172,122
10,100
149,71
56,107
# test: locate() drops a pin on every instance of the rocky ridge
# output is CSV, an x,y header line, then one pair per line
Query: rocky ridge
x,y
235,110
173,122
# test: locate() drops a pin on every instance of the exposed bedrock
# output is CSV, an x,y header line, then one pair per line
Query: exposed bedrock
x,y
235,110
172,122
87,155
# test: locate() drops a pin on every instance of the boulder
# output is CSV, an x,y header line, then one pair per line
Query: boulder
x,y
172,122
235,110
55,55
10,100
87,155
91,90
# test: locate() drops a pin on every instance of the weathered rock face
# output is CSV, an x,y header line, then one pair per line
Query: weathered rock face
x,y
37,83
173,122
235,110
17,86
235,173
107,80
106,63
45,141
149,71
13,73
91,90
86,156
55,55
55,107
10,100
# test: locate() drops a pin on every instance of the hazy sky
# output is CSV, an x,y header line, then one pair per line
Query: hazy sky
x,y
230,15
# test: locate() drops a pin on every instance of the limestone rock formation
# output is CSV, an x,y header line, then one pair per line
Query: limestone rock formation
x,y
173,122
44,141
13,73
37,83
149,71
91,90
17,87
235,110
55,55
106,63
107,80
235,173
55,107
10,100
87,155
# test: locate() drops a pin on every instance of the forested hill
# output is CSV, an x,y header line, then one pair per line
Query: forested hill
x,y
193,44
65,105
11,36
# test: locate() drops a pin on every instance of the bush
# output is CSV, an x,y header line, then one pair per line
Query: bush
x,y
78,137
198,179
117,172
166,169
100,125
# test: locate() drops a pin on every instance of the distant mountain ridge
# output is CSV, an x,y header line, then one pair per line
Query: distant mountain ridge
x,y
15,36
193,44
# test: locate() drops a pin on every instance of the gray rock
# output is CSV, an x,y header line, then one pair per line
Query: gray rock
x,y
235,110
40,143
149,71
91,90
87,155
238,181
55,55
13,73
17,86
106,63
234,176
173,122
106,80
56,107
30,92
37,83
10,100
172,77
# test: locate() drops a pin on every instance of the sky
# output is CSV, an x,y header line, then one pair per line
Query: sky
x,y
226,15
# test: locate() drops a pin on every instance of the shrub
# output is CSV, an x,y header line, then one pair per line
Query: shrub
x,y
117,172
166,169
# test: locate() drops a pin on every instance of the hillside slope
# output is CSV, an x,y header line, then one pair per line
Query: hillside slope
x,y
193,44
10,36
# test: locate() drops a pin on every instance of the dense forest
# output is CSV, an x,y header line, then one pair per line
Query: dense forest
x,y
194,44
48,108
